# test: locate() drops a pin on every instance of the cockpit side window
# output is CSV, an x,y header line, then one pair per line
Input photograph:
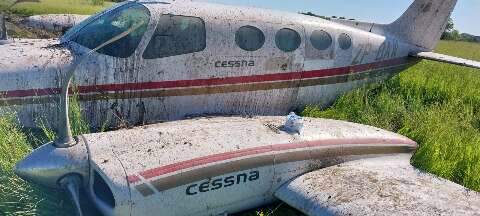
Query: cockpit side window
x,y
176,35
131,18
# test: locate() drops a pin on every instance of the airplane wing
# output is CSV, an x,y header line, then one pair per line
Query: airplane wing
x,y
447,59
379,186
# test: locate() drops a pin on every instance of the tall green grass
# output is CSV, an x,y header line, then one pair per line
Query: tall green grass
x,y
435,104
86,7
16,196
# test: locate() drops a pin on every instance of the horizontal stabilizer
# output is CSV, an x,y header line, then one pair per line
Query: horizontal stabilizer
x,y
378,186
448,59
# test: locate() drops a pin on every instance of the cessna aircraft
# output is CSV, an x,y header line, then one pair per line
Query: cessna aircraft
x,y
192,58
145,61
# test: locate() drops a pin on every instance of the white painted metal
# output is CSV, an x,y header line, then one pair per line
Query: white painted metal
x,y
379,186
54,22
32,64
124,153
221,23
423,23
448,59
116,107
219,165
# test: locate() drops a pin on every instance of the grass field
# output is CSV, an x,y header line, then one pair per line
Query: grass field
x,y
16,196
435,104
55,7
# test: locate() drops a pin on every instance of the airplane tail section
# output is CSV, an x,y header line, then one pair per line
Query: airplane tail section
x,y
423,23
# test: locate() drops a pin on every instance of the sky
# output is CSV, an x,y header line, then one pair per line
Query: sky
x,y
466,15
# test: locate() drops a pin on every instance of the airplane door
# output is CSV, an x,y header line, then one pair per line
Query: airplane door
x,y
177,51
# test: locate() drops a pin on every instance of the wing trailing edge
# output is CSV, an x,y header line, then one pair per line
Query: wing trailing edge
x,y
448,59
377,186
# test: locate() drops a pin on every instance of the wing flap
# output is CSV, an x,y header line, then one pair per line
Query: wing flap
x,y
448,59
379,186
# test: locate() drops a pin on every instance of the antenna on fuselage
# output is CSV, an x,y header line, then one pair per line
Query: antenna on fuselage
x,y
65,137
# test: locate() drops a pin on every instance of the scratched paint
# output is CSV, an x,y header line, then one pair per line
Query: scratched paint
x,y
225,164
185,161
386,185
122,106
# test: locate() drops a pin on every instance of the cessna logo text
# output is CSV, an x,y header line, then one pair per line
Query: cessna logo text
x,y
218,183
243,63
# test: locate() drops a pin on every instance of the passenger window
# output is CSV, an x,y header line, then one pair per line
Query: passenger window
x,y
287,40
176,35
131,17
344,41
321,40
249,38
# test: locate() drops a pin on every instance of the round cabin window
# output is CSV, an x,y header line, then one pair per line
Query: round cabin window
x,y
321,40
287,40
344,41
249,38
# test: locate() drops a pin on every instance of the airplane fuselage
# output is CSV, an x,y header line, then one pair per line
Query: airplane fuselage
x,y
198,58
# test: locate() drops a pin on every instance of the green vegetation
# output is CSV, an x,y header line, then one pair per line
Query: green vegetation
x,y
435,104
56,7
18,197
453,34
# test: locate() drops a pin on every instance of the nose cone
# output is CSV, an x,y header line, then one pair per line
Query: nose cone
x,y
47,164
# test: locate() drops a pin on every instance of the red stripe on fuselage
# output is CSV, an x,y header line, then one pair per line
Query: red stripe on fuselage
x,y
210,82
152,173
133,179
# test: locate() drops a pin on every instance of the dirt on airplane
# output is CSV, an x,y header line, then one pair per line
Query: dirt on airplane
x,y
147,61
190,58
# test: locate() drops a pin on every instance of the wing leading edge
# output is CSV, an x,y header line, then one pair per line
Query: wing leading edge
x,y
379,186
447,59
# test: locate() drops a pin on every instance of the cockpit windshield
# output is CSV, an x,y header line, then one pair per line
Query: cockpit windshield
x,y
131,18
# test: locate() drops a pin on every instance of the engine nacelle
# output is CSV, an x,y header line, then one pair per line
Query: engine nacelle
x,y
219,165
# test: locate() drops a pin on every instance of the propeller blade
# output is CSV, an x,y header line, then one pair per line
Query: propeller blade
x,y
72,183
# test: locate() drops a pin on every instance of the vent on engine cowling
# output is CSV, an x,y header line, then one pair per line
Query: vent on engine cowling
x,y
102,190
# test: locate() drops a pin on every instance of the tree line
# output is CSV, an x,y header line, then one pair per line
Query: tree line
x,y
453,34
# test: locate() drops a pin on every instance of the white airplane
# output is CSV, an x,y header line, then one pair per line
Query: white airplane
x,y
193,58
152,60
